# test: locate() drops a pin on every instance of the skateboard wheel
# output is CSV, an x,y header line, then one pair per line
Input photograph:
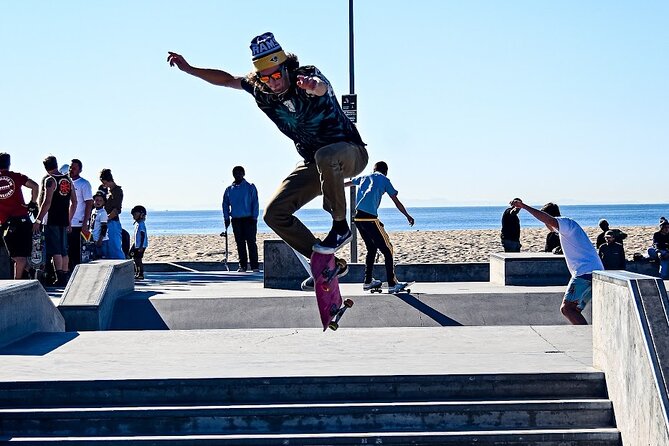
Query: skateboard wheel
x,y
333,326
348,303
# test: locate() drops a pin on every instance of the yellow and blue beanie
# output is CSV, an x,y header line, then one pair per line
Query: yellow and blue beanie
x,y
266,52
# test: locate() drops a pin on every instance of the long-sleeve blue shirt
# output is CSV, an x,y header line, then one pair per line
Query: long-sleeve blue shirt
x,y
240,200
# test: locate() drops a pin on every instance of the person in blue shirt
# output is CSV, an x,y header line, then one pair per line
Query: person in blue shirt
x,y
371,190
140,240
240,206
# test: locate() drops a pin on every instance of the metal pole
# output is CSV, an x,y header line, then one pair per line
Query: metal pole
x,y
351,67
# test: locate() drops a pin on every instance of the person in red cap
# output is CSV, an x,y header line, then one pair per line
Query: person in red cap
x,y
302,103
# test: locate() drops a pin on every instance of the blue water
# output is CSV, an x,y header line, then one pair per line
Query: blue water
x,y
427,218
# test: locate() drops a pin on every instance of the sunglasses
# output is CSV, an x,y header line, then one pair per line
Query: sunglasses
x,y
278,74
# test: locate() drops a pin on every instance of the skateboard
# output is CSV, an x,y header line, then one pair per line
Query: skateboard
x,y
328,296
87,247
37,259
378,289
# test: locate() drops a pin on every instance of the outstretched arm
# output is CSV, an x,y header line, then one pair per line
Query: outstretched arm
x,y
401,208
215,77
543,217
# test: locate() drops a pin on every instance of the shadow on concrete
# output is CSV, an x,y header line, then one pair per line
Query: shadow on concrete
x,y
38,344
427,310
136,312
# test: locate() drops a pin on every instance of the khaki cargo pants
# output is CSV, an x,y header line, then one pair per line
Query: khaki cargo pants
x,y
334,163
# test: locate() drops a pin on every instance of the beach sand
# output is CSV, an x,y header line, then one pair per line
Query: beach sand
x,y
409,246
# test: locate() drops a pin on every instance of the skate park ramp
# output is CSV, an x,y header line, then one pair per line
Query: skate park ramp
x,y
25,308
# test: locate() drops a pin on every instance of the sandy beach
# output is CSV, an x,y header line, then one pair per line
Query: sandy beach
x,y
410,246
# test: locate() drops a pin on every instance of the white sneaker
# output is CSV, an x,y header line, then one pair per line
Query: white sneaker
x,y
397,288
375,283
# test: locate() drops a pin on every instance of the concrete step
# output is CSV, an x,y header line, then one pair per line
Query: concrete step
x,y
309,418
555,437
302,389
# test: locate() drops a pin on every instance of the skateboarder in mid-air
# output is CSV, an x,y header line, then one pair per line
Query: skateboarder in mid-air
x,y
303,105
372,188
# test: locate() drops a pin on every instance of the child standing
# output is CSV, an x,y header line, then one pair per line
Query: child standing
x,y
140,240
372,188
99,224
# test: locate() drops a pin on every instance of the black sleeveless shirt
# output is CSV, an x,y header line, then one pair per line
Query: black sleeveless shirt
x,y
59,212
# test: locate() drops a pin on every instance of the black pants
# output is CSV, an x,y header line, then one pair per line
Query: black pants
x,y
376,239
245,230
74,247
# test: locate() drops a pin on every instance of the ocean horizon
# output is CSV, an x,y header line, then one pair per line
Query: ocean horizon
x,y
427,218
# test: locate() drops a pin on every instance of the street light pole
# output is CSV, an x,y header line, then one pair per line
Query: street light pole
x,y
351,66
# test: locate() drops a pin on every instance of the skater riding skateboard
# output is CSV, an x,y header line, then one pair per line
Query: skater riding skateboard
x,y
326,284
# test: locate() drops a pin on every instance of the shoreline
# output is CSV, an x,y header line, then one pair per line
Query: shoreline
x,y
444,246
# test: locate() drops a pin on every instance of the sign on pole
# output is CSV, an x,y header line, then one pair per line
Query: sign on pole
x,y
349,103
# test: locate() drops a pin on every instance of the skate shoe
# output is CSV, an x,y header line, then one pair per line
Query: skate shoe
x,y
397,288
308,283
375,283
333,242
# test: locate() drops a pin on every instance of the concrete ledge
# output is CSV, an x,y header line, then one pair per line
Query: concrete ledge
x,y
25,308
88,301
528,268
284,271
631,345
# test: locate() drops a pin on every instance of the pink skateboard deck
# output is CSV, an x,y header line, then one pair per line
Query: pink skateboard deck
x,y
326,285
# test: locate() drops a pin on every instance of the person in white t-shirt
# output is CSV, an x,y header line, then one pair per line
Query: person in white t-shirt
x,y
99,224
81,220
581,257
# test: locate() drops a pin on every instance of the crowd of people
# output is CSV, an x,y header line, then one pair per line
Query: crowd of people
x,y
62,214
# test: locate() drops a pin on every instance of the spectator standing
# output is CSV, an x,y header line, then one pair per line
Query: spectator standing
x,y
99,224
82,215
581,258
113,206
140,240
240,206
611,252
57,198
511,230
15,215
660,249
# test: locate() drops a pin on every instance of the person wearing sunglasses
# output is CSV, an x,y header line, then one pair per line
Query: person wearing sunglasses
x,y
302,104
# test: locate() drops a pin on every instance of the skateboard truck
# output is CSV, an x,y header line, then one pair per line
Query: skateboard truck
x,y
338,313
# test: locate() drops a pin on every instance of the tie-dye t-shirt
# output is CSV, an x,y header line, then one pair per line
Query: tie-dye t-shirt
x,y
310,121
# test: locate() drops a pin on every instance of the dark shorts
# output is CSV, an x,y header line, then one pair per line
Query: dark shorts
x,y
55,238
18,237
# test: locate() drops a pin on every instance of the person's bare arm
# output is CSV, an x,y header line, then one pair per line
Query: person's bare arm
x,y
45,205
213,76
86,224
73,207
543,217
348,183
401,208
34,189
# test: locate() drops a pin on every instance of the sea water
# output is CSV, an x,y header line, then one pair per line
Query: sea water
x,y
427,218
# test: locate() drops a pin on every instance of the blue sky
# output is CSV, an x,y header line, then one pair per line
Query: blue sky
x,y
469,102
